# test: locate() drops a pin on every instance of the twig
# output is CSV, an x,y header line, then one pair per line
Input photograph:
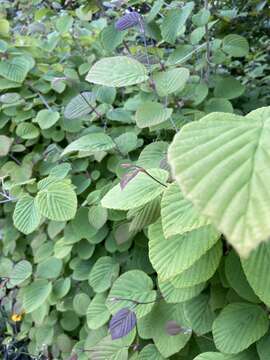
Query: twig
x,y
91,107
207,55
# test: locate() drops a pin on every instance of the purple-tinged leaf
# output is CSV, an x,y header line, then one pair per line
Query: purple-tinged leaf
x,y
73,357
128,21
128,177
122,323
173,328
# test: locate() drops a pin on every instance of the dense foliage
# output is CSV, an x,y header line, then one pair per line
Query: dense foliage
x,y
134,176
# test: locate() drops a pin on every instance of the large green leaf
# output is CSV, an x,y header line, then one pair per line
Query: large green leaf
x,y
202,270
150,352
134,290
237,279
245,355
80,105
170,81
137,192
178,213
199,314
91,143
154,325
174,22
26,215
235,45
173,295
35,294
228,87
222,165
97,312
173,256
21,271
256,269
151,113
117,71
238,326
103,274
57,201
16,69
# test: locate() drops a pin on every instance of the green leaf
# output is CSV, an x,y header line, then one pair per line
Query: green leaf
x,y
256,269
111,38
173,295
21,271
228,88
117,71
235,45
97,312
152,155
178,214
263,347
174,22
173,256
218,105
221,164
27,131
16,69
49,268
57,201
137,192
108,349
126,142
35,294
144,216
170,81
5,145
237,279
246,355
135,286
47,118
151,113
202,270
92,142
97,216
238,326
80,105
26,215
103,274
201,18
150,352
199,314
81,302
154,324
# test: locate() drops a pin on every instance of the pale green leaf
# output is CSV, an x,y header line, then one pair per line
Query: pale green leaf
x,y
238,326
170,81
135,286
57,201
117,71
178,213
137,192
202,270
235,45
103,274
35,294
256,269
151,113
97,312
26,215
92,142
222,165
173,256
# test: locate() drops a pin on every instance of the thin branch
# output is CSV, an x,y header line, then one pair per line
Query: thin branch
x,y
88,103
207,55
